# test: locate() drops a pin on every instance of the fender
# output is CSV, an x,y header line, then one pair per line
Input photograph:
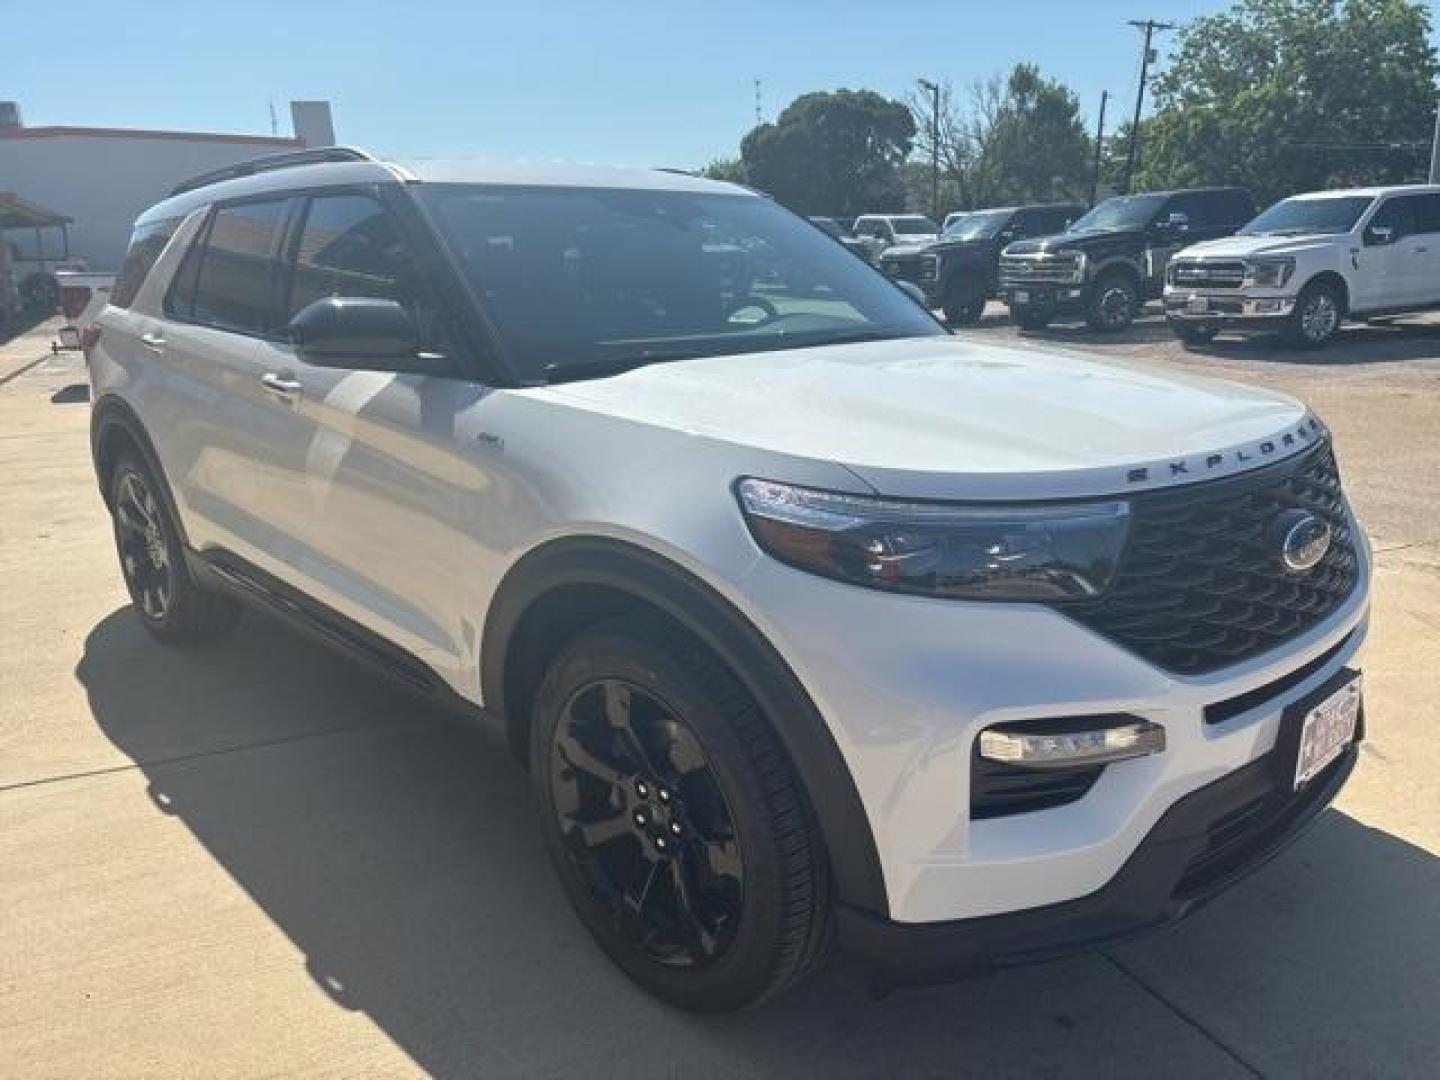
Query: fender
x,y
659,583
112,414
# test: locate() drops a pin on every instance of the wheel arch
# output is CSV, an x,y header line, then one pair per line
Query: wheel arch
x,y
1337,282
1118,264
115,428
565,585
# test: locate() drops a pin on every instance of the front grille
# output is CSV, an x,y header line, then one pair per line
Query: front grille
x,y
904,267
1208,275
1021,270
1201,584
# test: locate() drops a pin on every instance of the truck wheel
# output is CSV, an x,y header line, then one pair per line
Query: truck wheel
x,y
677,825
1316,317
1112,303
963,304
1031,318
1193,335
171,605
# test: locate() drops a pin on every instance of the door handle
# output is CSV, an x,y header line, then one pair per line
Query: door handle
x,y
282,386
152,341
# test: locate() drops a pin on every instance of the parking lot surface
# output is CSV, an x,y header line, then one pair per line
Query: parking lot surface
x,y
259,860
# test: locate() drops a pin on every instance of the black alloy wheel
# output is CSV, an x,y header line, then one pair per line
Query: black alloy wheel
x,y
146,560
1112,304
646,824
674,819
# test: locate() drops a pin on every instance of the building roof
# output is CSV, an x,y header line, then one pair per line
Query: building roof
x,y
16,213
274,141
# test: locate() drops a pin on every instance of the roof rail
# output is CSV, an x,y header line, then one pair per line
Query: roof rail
x,y
269,162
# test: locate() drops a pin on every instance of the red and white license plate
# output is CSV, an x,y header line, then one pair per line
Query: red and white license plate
x,y
1326,731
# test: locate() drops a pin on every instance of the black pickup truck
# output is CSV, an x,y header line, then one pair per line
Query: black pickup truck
x,y
1109,262
959,271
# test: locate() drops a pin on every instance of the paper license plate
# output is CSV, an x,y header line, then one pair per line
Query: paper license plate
x,y
1197,305
1327,730
1022,297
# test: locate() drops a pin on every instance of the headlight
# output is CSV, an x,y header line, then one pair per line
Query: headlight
x,y
1040,553
1268,273
929,267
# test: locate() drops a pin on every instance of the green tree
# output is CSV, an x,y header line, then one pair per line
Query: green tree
x,y
832,153
1294,95
1014,139
731,170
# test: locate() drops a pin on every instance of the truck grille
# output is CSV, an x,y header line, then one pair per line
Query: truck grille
x,y
904,267
1058,269
1201,584
1208,275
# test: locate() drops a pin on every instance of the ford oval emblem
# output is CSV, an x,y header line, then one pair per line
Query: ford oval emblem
x,y
1304,540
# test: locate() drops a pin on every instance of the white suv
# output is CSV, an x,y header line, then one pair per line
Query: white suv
x,y
809,620
1309,262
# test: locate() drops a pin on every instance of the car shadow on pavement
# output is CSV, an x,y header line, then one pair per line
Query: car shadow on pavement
x,y
395,845
1352,345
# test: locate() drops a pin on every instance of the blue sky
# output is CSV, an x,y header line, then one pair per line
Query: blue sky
x,y
616,81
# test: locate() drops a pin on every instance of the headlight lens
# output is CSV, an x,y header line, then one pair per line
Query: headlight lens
x,y
1038,553
929,267
1268,273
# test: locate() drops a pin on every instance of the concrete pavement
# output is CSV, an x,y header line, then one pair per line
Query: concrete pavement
x,y
258,860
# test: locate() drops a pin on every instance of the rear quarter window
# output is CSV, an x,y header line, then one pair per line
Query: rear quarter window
x,y
146,244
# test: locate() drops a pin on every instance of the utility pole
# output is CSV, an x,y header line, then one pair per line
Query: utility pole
x,y
274,125
1435,148
1149,26
758,118
934,89
1099,142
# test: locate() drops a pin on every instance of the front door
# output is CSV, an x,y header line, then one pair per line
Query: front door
x,y
373,471
1392,257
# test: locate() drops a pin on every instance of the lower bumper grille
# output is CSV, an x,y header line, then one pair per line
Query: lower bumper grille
x,y
1201,584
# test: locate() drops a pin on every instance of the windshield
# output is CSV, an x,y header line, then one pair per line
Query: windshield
x,y
1121,212
979,226
1312,217
587,281
915,226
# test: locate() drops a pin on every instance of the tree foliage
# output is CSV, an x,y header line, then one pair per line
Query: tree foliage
x,y
1012,139
731,170
1294,95
832,153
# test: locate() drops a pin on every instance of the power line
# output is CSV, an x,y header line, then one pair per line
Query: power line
x,y
1146,56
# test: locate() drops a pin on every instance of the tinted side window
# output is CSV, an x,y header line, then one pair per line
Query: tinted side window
x,y
1427,213
350,245
146,244
1398,214
1236,208
235,274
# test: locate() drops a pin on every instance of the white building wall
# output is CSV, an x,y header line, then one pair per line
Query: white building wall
x,y
104,181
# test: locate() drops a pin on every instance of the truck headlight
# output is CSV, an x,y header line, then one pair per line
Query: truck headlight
x,y
929,267
1268,273
971,552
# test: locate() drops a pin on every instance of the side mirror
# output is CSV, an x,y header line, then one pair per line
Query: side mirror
x,y
362,333
1379,235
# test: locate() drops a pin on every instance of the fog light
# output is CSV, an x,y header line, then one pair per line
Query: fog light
x,y
1077,745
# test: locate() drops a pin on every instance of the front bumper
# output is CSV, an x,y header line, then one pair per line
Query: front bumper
x,y
1201,846
1047,296
1225,309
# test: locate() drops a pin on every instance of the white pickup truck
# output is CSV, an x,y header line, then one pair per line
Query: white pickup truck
x,y
1310,262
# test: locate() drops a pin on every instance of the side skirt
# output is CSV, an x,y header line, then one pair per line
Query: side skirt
x,y
224,571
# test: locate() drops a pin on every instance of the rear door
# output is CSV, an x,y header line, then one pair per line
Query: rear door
x,y
1426,248
218,308
372,469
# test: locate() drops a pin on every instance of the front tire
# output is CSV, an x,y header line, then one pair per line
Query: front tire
x,y
170,603
963,305
1112,303
1031,318
677,826
1193,335
1318,312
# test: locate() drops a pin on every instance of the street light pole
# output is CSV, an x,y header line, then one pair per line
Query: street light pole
x,y
934,90
1099,142
1149,26
1435,148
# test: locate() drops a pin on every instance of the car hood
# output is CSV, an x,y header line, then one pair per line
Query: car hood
x,y
944,418
1074,241
1239,247
937,246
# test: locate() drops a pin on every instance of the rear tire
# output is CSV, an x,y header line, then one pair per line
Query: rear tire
x,y
171,605
1111,305
1319,310
1031,318
674,819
